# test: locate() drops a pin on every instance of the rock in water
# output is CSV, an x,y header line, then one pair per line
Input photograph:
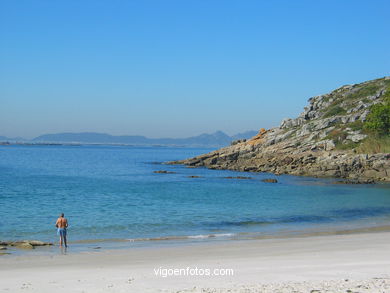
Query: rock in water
x,y
270,180
237,177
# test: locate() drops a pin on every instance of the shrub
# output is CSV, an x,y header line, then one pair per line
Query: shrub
x,y
335,110
378,120
357,125
364,91
347,146
337,135
386,96
374,144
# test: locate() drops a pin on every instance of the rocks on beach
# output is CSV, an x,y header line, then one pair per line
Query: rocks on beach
x,y
25,244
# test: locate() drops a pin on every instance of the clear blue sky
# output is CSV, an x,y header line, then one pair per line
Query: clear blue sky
x,y
179,68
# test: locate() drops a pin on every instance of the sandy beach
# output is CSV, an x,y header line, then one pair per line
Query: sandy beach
x,y
333,263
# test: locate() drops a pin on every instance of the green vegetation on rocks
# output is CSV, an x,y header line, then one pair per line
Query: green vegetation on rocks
x,y
357,125
374,145
337,135
377,126
378,120
365,90
335,110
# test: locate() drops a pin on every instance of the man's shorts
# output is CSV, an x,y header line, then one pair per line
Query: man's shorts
x,y
61,232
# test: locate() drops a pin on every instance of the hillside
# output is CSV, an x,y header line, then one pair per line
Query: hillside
x,y
341,134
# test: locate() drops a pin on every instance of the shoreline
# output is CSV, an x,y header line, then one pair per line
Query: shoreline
x,y
119,244
336,179
259,264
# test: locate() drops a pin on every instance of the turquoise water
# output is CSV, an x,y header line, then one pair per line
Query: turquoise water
x,y
111,192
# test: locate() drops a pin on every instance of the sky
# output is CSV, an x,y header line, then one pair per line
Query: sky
x,y
174,68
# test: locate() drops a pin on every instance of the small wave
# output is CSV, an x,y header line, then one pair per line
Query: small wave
x,y
361,212
332,216
210,235
246,223
271,221
199,236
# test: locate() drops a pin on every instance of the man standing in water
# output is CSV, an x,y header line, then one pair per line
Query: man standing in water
x,y
62,224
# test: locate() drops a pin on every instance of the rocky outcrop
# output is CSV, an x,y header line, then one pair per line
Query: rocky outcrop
x,y
321,142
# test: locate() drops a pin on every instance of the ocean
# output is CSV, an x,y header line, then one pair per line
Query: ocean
x,y
111,194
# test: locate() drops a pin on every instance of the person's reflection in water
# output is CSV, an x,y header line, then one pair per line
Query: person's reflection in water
x,y
64,250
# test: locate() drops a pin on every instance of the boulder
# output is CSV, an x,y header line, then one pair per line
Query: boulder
x,y
23,245
270,180
39,243
356,137
329,145
234,142
288,122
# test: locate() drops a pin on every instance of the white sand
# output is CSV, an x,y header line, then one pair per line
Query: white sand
x,y
273,265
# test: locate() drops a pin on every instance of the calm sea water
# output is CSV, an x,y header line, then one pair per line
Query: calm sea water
x,y
111,192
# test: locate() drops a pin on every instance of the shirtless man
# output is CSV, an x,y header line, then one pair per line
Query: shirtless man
x,y
62,224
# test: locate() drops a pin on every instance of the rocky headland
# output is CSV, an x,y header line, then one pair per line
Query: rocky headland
x,y
330,138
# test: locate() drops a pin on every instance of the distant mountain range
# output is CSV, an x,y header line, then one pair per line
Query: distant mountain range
x,y
4,138
216,139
